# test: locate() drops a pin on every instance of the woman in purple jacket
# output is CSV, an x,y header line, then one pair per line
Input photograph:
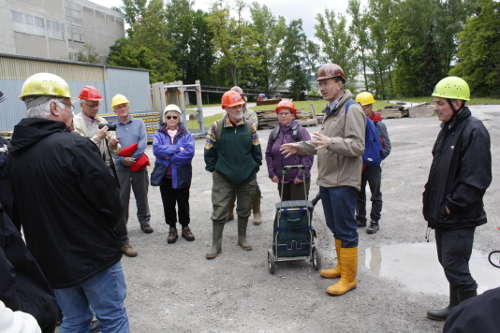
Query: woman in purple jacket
x,y
173,147
288,130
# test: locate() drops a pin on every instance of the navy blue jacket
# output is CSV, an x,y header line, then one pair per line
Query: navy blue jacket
x,y
170,155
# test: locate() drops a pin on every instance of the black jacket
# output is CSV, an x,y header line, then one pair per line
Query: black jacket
x,y
65,199
22,283
459,175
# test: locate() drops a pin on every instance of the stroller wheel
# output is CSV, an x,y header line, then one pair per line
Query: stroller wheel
x,y
271,265
315,259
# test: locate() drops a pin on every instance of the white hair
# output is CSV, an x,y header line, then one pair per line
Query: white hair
x,y
39,106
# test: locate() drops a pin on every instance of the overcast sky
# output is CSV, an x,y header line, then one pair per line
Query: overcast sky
x,y
290,9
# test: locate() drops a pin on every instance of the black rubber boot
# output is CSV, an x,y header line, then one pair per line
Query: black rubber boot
x,y
372,228
466,294
442,314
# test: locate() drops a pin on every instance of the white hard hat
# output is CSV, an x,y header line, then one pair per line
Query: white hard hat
x,y
172,107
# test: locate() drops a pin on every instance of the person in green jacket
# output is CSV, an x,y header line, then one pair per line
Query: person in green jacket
x,y
233,156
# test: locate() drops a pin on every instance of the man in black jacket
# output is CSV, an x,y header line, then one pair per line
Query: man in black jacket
x,y
453,197
68,204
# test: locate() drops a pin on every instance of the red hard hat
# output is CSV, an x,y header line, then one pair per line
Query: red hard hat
x,y
90,93
286,104
231,98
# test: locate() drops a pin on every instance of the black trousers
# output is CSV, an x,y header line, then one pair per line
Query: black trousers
x,y
454,248
171,196
293,191
373,176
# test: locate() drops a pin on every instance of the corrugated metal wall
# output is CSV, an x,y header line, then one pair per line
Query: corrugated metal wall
x,y
110,81
130,83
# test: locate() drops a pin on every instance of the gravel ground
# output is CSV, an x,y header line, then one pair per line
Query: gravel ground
x,y
173,288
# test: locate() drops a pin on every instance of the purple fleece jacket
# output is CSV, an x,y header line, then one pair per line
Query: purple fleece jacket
x,y
276,161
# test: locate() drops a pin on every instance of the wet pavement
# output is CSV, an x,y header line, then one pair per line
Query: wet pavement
x,y
410,265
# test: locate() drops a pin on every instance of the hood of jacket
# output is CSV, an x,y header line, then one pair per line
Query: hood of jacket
x,y
29,131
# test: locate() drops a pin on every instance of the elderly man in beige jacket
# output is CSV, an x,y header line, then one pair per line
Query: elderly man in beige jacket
x,y
339,144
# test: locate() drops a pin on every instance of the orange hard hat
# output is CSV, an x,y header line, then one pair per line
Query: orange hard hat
x,y
90,93
286,104
330,71
231,98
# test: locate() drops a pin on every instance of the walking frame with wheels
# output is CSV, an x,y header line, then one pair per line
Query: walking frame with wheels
x,y
293,234
494,257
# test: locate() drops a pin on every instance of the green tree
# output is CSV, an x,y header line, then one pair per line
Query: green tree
x,y
192,49
359,29
269,32
88,54
378,16
337,45
147,45
422,40
234,45
292,65
479,51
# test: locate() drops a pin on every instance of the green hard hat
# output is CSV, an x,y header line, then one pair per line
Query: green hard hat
x,y
452,87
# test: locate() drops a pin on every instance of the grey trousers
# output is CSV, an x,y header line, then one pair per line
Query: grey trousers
x,y
139,181
224,192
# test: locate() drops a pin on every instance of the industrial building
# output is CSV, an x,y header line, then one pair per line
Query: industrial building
x,y
110,80
58,29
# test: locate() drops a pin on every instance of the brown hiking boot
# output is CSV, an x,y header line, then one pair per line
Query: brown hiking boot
x,y
128,250
187,234
172,235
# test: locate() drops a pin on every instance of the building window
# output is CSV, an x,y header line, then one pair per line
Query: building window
x,y
39,22
29,19
17,16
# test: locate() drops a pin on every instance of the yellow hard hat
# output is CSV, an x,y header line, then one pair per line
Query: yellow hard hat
x,y
118,99
45,84
365,98
452,87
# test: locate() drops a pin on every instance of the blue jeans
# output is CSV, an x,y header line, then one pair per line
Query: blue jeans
x,y
339,205
105,293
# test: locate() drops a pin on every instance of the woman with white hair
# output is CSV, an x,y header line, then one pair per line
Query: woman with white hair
x,y
173,147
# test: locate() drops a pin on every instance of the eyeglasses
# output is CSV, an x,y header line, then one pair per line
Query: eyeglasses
x,y
171,117
69,105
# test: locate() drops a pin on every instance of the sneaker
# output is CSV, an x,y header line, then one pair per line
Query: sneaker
x,y
373,228
187,234
146,228
172,235
128,250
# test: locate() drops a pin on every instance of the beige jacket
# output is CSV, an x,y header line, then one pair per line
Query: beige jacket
x,y
85,126
340,163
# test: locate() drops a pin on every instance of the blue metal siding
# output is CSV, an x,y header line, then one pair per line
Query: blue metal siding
x,y
133,84
110,81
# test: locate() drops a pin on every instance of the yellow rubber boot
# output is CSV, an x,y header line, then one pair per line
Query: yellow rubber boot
x,y
332,273
348,271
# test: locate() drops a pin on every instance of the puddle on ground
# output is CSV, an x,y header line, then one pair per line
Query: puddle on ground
x,y
415,265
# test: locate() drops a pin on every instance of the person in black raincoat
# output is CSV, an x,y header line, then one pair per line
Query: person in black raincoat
x,y
453,198
23,286
68,205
